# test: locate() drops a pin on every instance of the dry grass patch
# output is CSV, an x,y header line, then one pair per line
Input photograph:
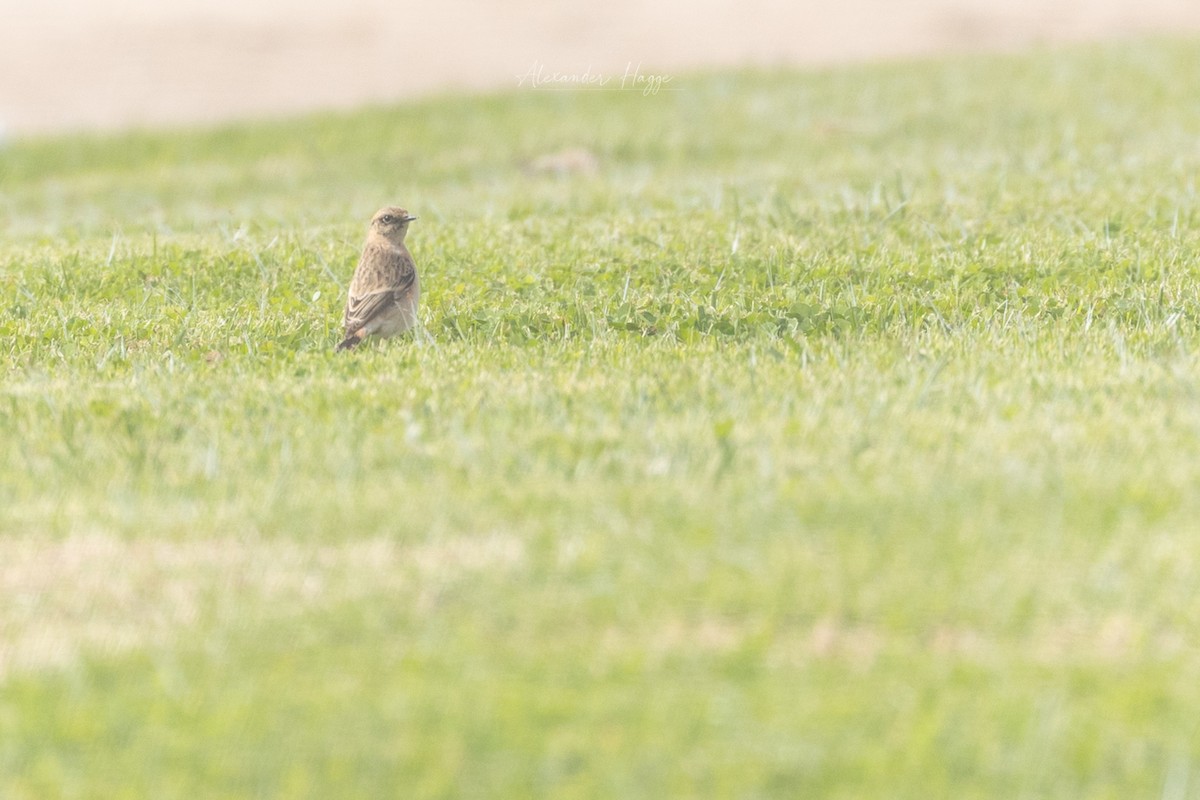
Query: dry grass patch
x,y
99,593
1102,639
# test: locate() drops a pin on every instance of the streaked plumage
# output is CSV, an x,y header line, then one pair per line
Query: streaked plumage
x,y
385,289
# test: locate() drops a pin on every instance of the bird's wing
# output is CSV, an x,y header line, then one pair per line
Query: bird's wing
x,y
384,276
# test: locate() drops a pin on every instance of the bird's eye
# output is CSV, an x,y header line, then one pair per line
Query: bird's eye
x,y
388,219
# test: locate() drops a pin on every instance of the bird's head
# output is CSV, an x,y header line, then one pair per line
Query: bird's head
x,y
391,222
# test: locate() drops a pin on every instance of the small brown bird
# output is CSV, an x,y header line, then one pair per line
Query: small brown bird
x,y
384,291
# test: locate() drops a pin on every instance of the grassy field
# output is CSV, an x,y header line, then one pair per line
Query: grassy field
x,y
839,438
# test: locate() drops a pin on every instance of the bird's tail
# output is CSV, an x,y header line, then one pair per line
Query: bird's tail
x,y
351,341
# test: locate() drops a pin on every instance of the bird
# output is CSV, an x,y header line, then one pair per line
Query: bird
x,y
385,288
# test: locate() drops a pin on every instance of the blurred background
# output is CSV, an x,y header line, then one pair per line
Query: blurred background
x,y
105,64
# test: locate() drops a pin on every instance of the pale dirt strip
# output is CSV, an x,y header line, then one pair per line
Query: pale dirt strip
x,y
116,63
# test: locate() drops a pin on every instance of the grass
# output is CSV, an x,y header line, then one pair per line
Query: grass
x,y
839,438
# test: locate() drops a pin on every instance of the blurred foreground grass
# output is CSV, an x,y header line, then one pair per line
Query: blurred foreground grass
x,y
838,438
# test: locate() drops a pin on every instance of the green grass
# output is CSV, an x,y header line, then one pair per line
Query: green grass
x,y
840,438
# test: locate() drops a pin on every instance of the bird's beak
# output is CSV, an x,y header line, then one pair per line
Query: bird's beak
x,y
410,218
